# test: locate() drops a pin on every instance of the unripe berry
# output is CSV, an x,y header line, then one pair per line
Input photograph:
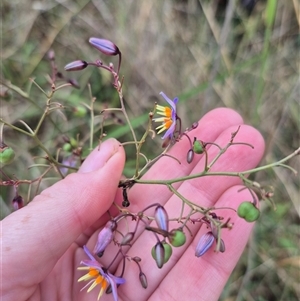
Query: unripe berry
x,y
198,147
7,154
248,212
177,238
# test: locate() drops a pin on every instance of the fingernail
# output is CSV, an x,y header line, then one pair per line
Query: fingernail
x,y
100,156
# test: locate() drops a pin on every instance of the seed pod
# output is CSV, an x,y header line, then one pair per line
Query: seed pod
x,y
7,154
190,156
76,65
161,218
177,238
105,46
248,212
204,244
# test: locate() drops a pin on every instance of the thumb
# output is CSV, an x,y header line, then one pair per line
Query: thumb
x,y
41,232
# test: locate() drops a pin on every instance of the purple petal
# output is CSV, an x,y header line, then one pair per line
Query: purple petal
x,y
88,253
169,101
113,280
169,132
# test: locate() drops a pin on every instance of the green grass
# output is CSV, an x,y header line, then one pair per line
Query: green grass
x,y
208,55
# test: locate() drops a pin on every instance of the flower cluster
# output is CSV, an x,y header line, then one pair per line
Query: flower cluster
x,y
165,239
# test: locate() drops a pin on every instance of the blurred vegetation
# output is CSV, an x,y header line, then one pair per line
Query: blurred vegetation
x,y
210,54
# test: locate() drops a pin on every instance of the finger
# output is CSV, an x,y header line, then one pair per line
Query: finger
x,y
42,231
203,191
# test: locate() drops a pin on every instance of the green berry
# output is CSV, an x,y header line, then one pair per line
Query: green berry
x,y
177,238
80,111
67,147
167,253
7,154
73,142
248,212
198,147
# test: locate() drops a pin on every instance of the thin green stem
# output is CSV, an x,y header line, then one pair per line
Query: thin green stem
x,y
229,174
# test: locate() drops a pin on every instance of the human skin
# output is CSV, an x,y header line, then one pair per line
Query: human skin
x,y
41,244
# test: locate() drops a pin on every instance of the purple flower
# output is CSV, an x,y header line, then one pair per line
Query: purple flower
x,y
98,276
169,117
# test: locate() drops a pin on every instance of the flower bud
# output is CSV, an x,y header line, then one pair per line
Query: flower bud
x,y
177,238
167,252
105,46
18,202
158,254
204,244
76,65
190,156
143,280
222,246
198,147
105,237
248,212
7,154
161,218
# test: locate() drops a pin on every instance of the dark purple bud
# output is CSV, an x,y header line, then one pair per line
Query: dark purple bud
x,y
190,156
143,280
222,246
127,238
161,218
105,237
76,65
18,202
105,46
159,254
204,244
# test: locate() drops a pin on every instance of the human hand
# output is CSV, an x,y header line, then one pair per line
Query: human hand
x,y
42,242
